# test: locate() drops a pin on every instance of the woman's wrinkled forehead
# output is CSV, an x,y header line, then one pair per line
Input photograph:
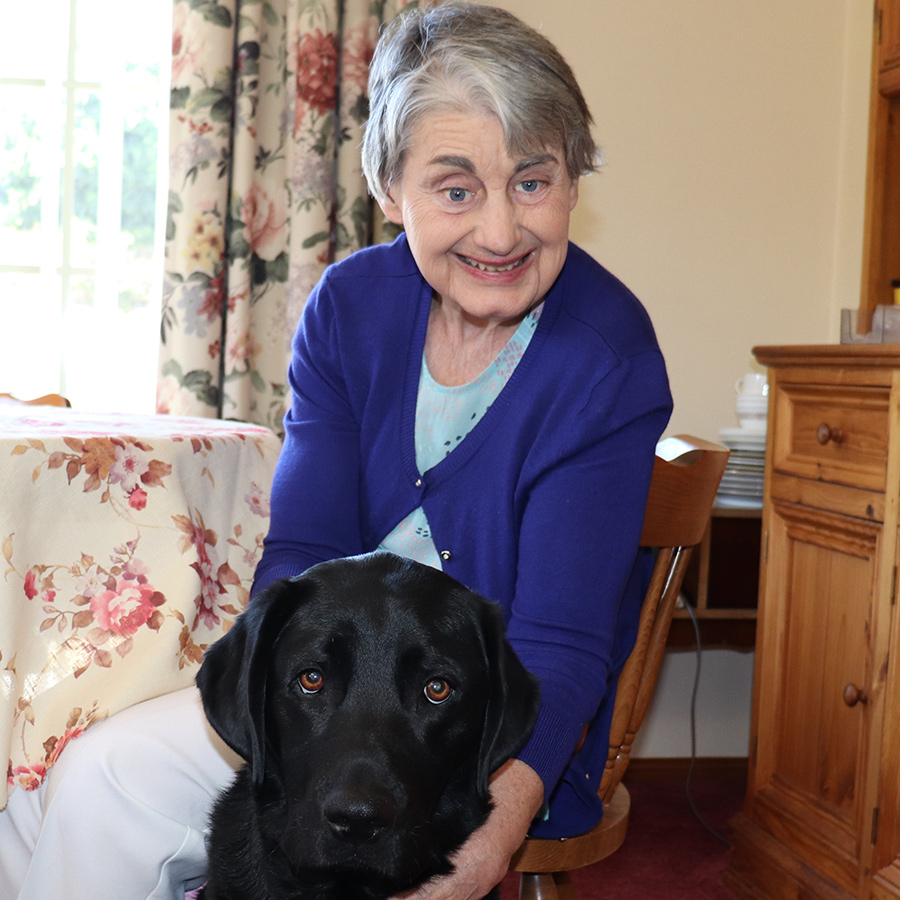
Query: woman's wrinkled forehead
x,y
522,143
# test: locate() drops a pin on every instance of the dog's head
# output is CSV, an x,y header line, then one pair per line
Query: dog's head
x,y
372,698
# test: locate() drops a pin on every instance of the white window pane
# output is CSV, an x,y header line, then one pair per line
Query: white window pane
x,y
83,187
85,177
97,33
108,364
36,44
140,148
31,334
139,286
79,290
20,176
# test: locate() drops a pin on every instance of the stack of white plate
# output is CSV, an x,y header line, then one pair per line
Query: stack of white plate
x,y
742,482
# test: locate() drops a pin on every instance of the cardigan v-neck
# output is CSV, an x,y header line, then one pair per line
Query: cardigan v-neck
x,y
482,430
446,415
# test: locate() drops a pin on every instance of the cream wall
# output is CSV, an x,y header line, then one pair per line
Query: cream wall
x,y
731,201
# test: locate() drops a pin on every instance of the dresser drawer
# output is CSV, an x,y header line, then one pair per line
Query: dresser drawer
x,y
833,433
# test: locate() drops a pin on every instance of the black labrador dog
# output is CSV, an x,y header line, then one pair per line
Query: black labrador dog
x,y
371,698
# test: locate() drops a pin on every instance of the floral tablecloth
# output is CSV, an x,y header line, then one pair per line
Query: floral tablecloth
x,y
129,544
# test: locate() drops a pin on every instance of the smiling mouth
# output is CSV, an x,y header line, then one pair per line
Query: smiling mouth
x,y
484,267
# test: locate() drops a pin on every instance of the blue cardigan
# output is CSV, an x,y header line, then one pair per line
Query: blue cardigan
x,y
539,508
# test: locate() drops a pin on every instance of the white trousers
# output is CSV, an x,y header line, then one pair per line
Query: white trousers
x,y
123,813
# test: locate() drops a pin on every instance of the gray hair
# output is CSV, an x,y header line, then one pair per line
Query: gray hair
x,y
464,56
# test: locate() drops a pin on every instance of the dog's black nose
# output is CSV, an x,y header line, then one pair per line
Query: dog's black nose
x,y
358,815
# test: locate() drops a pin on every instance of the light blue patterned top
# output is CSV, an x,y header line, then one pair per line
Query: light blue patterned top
x,y
444,416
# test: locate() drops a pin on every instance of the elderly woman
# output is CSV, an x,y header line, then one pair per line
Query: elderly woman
x,y
479,395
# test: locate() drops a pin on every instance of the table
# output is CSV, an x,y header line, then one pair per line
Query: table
x,y
128,547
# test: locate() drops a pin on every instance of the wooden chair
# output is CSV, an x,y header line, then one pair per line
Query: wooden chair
x,y
685,479
46,400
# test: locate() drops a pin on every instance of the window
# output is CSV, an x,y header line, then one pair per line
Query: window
x,y
83,186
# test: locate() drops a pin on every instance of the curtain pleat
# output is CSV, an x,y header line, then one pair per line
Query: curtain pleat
x,y
268,104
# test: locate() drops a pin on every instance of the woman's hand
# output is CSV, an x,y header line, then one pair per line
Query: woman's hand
x,y
483,860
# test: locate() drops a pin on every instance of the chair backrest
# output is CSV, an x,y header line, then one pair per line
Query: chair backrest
x,y
46,400
686,476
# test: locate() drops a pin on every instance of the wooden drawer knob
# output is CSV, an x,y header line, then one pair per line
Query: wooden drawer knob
x,y
826,433
854,695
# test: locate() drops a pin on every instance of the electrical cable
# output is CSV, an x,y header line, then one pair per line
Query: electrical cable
x,y
690,774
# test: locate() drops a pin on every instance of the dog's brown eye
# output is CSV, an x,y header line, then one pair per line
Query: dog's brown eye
x,y
311,682
437,690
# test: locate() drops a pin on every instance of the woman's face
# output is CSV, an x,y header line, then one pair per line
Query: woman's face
x,y
489,231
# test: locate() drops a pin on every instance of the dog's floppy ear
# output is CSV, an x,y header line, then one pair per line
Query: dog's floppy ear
x,y
232,678
513,701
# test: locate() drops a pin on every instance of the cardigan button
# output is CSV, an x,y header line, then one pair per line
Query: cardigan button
x,y
445,555
419,482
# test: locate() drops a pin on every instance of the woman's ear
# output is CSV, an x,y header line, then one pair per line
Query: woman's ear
x,y
573,193
390,206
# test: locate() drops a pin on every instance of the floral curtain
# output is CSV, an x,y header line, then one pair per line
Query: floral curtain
x,y
267,106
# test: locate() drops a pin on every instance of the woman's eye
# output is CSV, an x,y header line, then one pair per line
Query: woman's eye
x,y
458,194
530,187
437,690
311,681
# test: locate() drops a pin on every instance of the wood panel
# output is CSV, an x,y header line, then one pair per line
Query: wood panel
x,y
809,772
886,858
881,238
888,48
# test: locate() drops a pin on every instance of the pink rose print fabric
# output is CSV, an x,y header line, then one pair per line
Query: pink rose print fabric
x,y
265,190
128,546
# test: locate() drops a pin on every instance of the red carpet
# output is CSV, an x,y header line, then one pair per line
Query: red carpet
x,y
667,853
